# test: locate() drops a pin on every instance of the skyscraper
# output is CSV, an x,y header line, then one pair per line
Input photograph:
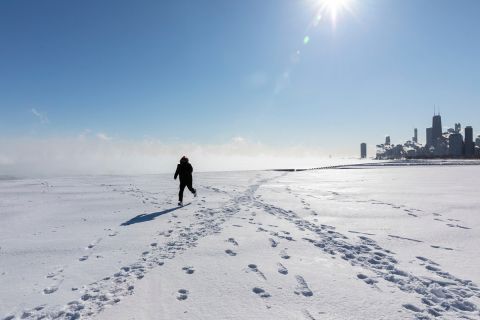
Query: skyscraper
x,y
455,144
387,140
436,129
469,145
477,146
415,135
363,150
458,127
429,141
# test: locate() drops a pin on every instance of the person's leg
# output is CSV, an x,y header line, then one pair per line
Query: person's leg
x,y
190,187
180,193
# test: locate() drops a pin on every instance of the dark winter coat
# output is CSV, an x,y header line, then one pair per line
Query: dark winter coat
x,y
184,170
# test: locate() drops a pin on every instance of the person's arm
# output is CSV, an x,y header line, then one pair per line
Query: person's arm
x,y
176,174
191,169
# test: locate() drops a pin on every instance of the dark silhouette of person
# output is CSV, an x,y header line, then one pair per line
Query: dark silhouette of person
x,y
184,171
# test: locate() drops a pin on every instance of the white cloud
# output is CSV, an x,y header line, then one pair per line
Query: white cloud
x,y
102,136
91,155
239,140
42,117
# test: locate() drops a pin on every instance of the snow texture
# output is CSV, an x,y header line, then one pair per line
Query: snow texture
x,y
358,242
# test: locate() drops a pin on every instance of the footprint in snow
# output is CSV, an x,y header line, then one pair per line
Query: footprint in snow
x,y
426,260
232,241
366,279
284,254
308,315
439,247
273,243
53,275
253,267
411,307
182,294
230,252
261,292
93,244
188,270
282,269
50,290
302,287
457,226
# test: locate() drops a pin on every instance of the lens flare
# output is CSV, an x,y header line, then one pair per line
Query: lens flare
x,y
323,10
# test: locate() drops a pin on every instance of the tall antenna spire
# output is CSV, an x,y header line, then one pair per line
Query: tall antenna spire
x,y
434,110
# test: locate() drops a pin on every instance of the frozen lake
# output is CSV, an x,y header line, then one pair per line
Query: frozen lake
x,y
359,243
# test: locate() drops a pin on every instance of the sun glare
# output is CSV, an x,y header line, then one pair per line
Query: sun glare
x,y
334,7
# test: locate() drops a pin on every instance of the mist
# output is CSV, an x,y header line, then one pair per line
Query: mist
x,y
26,157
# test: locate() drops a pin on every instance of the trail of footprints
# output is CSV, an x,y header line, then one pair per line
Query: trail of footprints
x,y
335,196
110,290
57,276
448,295
302,286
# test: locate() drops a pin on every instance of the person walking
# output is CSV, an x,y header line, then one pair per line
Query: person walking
x,y
184,171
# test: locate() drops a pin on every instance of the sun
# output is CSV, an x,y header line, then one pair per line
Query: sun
x,y
334,7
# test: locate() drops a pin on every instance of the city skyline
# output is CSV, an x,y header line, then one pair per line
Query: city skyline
x,y
422,137
452,142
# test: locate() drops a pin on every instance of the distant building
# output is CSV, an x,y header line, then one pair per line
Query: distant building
x,y
441,148
455,145
436,129
458,127
387,140
363,150
415,135
477,146
469,145
429,141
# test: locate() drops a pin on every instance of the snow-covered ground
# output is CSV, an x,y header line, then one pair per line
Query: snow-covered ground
x,y
357,243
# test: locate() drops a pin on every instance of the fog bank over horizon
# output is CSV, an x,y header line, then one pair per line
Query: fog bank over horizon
x,y
24,157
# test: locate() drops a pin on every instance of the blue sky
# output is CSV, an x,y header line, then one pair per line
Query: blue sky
x,y
203,72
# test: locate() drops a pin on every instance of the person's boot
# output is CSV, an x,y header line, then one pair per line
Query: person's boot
x,y
195,193
180,203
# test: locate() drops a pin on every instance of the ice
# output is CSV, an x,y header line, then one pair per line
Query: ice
x,y
357,242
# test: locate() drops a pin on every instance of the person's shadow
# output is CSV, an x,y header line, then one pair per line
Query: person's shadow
x,y
149,216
